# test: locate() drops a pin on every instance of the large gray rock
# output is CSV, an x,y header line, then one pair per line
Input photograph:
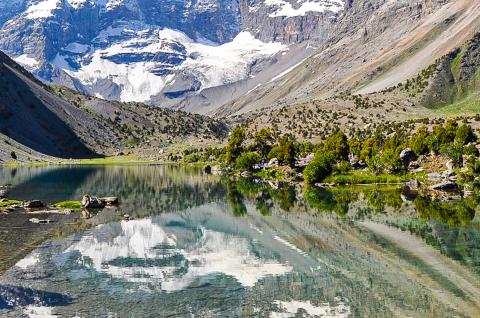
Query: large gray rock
x,y
92,202
110,201
407,155
33,204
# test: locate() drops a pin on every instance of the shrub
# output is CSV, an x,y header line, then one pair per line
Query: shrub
x,y
320,168
388,161
454,152
464,135
343,167
247,160
418,142
274,152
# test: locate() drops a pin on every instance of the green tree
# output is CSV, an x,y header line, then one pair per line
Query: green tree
x,y
247,161
286,150
319,168
234,145
263,140
387,161
337,145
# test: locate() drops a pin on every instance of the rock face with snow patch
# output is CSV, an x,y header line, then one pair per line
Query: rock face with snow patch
x,y
156,51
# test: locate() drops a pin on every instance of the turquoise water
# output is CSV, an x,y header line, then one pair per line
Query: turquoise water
x,y
204,246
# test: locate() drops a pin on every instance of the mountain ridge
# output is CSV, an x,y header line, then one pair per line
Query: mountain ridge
x,y
56,122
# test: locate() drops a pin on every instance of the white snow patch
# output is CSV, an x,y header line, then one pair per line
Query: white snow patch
x,y
228,63
31,260
38,312
211,64
77,48
291,308
290,245
285,9
287,71
42,9
26,60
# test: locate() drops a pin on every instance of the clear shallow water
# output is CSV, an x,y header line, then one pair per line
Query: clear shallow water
x,y
208,247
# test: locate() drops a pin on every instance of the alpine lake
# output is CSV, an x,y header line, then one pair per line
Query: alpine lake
x,y
199,245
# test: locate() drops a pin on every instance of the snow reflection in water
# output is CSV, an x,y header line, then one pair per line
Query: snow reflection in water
x,y
141,251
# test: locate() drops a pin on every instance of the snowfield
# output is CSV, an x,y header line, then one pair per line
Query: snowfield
x,y
208,63
42,9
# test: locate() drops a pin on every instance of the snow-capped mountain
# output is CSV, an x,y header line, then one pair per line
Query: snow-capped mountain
x,y
160,51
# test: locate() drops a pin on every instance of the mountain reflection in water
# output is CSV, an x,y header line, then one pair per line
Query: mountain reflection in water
x,y
211,247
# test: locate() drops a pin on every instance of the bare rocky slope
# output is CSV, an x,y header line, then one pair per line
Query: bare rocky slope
x,y
375,45
38,122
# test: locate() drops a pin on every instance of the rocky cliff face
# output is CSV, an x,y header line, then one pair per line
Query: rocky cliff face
x,y
157,51
278,20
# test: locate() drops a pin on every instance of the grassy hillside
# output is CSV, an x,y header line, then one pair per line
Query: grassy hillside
x,y
37,119
455,84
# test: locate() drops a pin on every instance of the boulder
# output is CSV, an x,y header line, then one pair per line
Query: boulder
x,y
355,162
110,201
413,184
92,202
444,186
434,176
33,204
305,161
272,163
217,170
451,197
245,174
407,155
450,166
414,165
3,193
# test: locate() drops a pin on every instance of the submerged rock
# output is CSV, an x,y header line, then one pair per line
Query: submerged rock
x,y
413,184
444,186
39,221
207,169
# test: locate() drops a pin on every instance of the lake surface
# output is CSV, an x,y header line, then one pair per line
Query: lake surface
x,y
204,246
